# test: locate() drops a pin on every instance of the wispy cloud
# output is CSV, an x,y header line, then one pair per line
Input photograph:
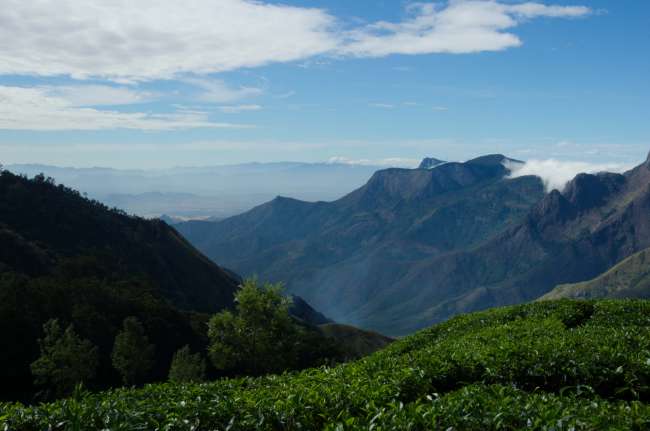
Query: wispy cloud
x,y
38,109
382,105
400,162
286,95
459,27
217,91
98,95
236,109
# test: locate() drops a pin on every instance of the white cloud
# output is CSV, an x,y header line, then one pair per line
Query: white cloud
x,y
217,91
399,162
461,27
37,109
97,95
153,39
236,109
556,173
128,41
286,95
382,105
440,108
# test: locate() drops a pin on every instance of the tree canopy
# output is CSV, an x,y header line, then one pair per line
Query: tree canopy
x,y
66,359
133,354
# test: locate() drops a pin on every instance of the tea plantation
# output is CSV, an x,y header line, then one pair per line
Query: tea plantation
x,y
564,365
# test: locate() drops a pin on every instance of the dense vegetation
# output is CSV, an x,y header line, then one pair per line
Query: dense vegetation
x,y
549,365
89,294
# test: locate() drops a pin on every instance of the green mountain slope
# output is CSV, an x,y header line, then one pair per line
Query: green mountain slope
x,y
56,224
628,279
548,365
351,258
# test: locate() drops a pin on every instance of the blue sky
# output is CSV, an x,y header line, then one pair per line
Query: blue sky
x,y
165,83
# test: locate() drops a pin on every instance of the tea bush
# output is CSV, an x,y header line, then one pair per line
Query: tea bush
x,y
564,365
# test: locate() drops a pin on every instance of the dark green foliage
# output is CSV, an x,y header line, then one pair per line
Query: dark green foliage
x,y
69,258
56,223
260,336
187,367
96,309
66,360
545,366
133,354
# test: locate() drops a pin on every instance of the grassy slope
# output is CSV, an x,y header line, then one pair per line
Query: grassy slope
x,y
548,365
628,279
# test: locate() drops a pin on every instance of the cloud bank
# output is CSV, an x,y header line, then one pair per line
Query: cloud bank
x,y
43,109
144,40
556,173
399,162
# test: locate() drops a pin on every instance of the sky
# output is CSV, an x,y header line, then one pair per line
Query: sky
x,y
162,83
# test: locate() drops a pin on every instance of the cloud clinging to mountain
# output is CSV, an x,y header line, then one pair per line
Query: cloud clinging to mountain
x,y
557,173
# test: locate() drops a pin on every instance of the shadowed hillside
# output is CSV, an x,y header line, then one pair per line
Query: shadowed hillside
x,y
68,258
628,279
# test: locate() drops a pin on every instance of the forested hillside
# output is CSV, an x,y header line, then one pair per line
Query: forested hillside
x,y
77,277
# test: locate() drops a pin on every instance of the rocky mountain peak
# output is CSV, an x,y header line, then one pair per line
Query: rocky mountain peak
x,y
554,209
492,160
430,163
587,191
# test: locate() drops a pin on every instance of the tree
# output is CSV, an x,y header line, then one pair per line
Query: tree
x,y
66,359
187,366
133,355
259,336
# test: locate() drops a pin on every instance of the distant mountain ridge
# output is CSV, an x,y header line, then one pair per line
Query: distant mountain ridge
x,y
351,257
208,191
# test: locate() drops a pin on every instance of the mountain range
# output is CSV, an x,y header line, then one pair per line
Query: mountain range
x,y
344,256
202,192
416,246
